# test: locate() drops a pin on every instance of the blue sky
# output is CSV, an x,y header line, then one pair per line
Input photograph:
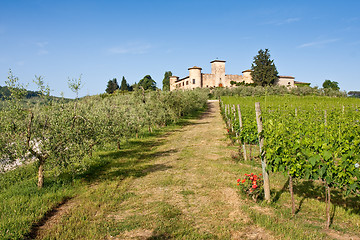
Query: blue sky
x,y
310,40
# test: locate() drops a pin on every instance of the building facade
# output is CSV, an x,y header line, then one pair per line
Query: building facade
x,y
218,78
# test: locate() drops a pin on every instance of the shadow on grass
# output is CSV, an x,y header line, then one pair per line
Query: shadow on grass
x,y
277,194
312,190
133,160
52,212
307,189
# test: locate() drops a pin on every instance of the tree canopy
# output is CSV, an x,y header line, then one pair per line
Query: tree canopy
x,y
147,83
166,81
112,86
124,85
264,72
331,84
354,94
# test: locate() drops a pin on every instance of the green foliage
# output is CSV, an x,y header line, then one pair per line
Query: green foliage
x,y
16,89
124,85
308,138
264,72
328,84
147,83
354,94
274,90
243,83
75,85
166,81
112,86
59,135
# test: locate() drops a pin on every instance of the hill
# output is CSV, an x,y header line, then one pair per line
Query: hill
x,y
5,93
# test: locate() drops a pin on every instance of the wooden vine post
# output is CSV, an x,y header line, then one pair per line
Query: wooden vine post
x,y
241,128
327,188
262,153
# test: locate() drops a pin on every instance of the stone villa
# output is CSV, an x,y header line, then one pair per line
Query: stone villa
x,y
218,78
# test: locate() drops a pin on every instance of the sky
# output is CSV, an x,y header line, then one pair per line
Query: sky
x,y
101,40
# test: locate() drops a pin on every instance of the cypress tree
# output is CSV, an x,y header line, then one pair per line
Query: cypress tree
x,y
166,81
124,85
264,72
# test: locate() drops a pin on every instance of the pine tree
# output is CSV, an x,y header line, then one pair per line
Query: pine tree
x,y
124,85
264,72
331,84
147,83
166,81
112,86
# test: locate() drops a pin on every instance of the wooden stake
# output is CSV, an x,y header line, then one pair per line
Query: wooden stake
x,y
262,153
241,127
291,188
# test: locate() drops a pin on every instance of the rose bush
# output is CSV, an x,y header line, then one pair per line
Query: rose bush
x,y
251,186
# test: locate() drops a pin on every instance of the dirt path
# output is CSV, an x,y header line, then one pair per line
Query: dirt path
x,y
188,192
197,185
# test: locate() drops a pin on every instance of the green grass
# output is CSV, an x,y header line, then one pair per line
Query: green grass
x,y
23,205
310,208
112,199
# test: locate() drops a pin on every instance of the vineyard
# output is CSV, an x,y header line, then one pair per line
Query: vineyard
x,y
132,166
314,139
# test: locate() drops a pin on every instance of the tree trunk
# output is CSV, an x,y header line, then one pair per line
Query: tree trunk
x,y
41,174
118,144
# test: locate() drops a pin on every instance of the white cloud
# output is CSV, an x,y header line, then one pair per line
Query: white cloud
x,y
282,22
42,48
42,44
42,52
131,48
290,20
20,63
318,43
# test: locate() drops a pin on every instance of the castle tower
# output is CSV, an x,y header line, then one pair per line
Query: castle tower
x,y
194,78
218,70
173,79
247,76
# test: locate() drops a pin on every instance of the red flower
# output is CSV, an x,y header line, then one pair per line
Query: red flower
x,y
238,180
243,180
254,186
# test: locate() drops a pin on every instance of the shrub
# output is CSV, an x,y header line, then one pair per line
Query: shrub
x,y
251,186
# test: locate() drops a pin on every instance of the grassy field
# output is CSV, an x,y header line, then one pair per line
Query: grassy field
x,y
179,183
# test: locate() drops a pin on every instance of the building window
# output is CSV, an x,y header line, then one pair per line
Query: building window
x,y
207,85
193,81
289,83
187,82
183,83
